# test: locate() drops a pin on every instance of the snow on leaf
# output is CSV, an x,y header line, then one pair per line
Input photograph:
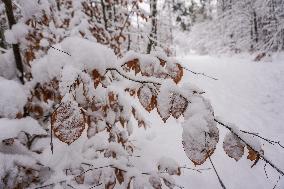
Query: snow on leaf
x,y
169,181
169,165
233,146
163,102
68,121
179,105
147,98
133,65
176,72
155,181
200,133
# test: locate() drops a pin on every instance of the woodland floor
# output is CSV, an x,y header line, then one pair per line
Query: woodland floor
x,y
247,93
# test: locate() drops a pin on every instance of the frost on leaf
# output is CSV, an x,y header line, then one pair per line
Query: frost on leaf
x,y
68,121
179,105
233,146
147,98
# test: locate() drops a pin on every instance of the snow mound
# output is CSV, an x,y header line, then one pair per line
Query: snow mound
x,y
12,98
77,52
7,65
10,128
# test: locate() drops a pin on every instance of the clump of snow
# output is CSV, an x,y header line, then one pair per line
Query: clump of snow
x,y
169,165
44,42
13,98
17,32
10,128
78,52
200,134
7,65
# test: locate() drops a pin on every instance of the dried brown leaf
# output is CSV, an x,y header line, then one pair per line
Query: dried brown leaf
x,y
68,122
233,146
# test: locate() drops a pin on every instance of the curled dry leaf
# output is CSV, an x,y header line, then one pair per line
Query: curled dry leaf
x,y
97,78
68,121
147,98
233,146
133,65
119,175
253,155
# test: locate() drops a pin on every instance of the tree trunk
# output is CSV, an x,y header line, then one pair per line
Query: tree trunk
x,y
16,48
2,38
153,34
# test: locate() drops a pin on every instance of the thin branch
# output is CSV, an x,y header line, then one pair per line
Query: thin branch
x,y
60,50
45,186
198,170
219,178
265,139
220,181
94,168
132,79
95,185
128,16
261,155
51,139
264,168
277,182
197,73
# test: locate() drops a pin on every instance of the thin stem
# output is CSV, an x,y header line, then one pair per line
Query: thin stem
x,y
132,79
220,181
261,155
197,73
198,170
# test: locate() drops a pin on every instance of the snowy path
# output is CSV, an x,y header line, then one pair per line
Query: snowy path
x,y
249,94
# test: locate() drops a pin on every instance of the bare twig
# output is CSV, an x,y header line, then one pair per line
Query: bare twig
x,y
95,185
45,186
198,170
93,168
277,182
219,178
261,155
220,181
60,50
128,16
265,139
133,79
197,73
51,139
264,168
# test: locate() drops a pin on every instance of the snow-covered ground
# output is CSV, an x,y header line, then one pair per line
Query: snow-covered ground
x,y
247,93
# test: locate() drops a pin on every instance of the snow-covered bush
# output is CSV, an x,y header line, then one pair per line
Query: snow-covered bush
x,y
82,108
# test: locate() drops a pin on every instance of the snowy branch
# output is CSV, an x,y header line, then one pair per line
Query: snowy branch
x,y
261,155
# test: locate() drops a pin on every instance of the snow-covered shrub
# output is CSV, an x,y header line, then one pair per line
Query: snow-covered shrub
x,y
85,102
